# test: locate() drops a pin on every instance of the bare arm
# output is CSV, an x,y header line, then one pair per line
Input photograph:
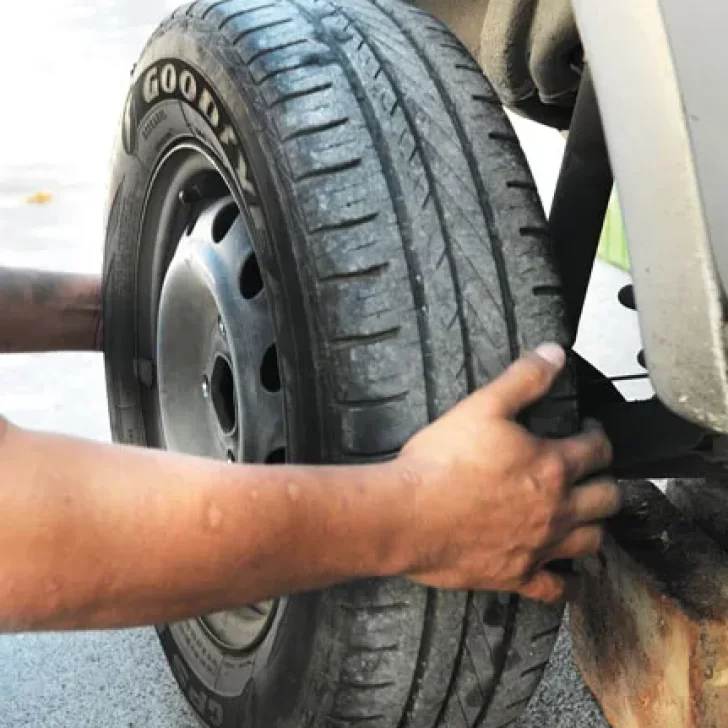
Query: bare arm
x,y
45,311
98,536
101,536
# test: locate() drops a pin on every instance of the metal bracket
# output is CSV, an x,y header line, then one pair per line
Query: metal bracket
x,y
581,199
649,440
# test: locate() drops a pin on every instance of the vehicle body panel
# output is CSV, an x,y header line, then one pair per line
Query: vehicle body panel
x,y
648,74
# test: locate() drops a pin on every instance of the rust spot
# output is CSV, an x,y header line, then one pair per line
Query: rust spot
x,y
650,624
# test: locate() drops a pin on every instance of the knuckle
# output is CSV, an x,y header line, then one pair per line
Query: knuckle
x,y
598,538
540,590
552,470
524,565
616,495
545,528
604,449
543,531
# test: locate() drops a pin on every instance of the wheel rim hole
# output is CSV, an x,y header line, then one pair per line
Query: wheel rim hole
x,y
222,387
251,282
224,221
270,376
276,457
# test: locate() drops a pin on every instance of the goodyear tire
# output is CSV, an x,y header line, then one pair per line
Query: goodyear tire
x,y
403,260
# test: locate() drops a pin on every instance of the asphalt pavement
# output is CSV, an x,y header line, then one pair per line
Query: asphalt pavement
x,y
67,66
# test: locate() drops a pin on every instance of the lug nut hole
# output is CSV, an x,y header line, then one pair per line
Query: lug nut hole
x,y
270,376
222,386
224,221
251,282
276,457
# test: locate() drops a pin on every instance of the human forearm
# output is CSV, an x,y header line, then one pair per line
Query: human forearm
x,y
47,311
119,537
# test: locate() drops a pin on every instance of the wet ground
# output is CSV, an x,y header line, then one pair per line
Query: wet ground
x,y
66,67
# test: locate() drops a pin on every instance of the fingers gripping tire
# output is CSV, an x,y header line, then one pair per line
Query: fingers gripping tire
x,y
406,261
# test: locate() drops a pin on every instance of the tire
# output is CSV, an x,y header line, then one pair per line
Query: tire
x,y
407,261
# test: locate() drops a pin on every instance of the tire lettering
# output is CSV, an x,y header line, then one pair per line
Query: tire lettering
x,y
128,134
153,123
228,136
151,85
209,109
180,671
215,715
188,86
206,706
176,79
169,79
198,699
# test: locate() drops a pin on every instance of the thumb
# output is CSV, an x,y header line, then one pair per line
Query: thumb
x,y
525,381
546,586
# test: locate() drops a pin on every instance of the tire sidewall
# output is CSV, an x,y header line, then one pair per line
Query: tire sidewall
x,y
273,685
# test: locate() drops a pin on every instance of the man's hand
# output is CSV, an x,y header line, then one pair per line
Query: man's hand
x,y
494,504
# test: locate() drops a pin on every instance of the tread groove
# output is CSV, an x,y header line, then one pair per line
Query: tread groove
x,y
211,7
535,232
504,136
535,668
499,661
366,686
280,71
331,169
241,13
454,47
347,720
548,290
283,46
522,185
346,224
365,339
301,93
374,271
367,649
467,67
375,608
545,633
266,26
316,129
516,703
491,100
453,682
374,402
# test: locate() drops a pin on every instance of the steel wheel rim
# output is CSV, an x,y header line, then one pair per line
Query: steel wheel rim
x,y
217,378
